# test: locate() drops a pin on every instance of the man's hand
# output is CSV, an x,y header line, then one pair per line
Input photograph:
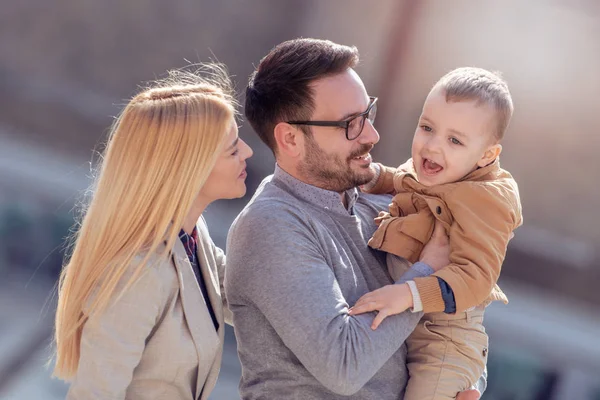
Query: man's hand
x,y
436,252
388,300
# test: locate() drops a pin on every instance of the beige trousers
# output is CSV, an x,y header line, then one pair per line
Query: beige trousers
x,y
446,355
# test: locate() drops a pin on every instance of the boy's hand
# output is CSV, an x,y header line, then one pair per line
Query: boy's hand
x,y
468,395
388,300
436,252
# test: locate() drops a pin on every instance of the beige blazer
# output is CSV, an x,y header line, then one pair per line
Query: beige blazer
x,y
158,340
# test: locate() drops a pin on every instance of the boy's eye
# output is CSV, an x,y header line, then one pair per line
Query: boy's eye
x,y
455,140
426,128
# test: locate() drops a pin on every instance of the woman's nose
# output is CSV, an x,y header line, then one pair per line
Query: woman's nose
x,y
247,150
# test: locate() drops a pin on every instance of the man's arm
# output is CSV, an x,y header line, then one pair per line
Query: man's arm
x,y
436,253
397,298
274,257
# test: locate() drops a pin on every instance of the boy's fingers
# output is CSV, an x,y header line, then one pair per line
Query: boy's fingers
x,y
367,298
378,319
359,303
363,298
468,395
438,230
363,308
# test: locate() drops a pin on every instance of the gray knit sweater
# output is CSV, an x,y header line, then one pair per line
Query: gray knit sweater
x,y
296,260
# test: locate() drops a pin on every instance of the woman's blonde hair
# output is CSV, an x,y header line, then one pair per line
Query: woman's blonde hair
x,y
159,154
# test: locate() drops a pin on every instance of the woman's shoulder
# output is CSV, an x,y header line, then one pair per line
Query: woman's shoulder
x,y
145,274
157,265
153,275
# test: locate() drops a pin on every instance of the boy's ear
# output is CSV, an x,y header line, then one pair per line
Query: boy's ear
x,y
490,155
289,140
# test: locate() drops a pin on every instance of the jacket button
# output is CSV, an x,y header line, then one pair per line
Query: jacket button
x,y
438,210
485,351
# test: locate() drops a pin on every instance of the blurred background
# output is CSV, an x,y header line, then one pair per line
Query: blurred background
x,y
67,66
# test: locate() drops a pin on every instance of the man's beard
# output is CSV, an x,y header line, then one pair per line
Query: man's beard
x,y
330,171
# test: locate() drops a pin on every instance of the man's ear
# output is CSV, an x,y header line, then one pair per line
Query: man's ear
x,y
490,155
289,139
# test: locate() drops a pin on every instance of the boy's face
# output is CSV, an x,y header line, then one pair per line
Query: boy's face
x,y
452,139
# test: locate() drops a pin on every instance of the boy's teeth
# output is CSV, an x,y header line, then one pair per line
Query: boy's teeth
x,y
431,166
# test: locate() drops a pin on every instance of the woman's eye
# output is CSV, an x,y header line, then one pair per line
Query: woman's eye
x,y
235,152
426,128
455,140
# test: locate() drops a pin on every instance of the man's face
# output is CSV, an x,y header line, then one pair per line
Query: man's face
x,y
330,161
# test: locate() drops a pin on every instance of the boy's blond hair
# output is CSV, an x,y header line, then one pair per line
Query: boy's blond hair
x,y
483,86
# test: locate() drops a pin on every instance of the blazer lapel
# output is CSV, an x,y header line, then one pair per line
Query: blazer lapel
x,y
196,314
212,283
211,280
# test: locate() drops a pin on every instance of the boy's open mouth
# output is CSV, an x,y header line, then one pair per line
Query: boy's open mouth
x,y
431,167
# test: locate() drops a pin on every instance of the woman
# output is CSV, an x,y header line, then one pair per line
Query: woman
x,y
141,307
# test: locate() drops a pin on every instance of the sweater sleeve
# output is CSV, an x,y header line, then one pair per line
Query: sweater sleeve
x,y
276,264
484,215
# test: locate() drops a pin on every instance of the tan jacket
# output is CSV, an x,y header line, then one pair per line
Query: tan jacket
x,y
158,340
478,212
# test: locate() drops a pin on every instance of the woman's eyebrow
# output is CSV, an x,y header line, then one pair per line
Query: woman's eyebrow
x,y
235,142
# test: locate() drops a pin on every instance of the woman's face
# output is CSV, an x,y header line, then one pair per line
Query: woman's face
x,y
227,180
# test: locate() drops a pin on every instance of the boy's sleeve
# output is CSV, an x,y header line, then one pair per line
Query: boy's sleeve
x,y
484,217
385,181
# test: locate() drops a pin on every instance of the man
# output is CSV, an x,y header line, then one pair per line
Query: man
x,y
298,255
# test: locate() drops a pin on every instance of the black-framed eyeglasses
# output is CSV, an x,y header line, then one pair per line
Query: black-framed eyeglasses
x,y
353,125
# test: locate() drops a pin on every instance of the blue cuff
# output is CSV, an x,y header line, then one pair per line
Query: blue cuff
x,y
447,296
418,270
422,268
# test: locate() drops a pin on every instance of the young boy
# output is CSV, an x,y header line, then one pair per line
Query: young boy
x,y
454,180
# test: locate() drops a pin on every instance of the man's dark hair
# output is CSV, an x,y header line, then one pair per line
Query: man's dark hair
x,y
279,90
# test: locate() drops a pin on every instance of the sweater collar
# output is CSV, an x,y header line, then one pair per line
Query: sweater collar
x,y
321,198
